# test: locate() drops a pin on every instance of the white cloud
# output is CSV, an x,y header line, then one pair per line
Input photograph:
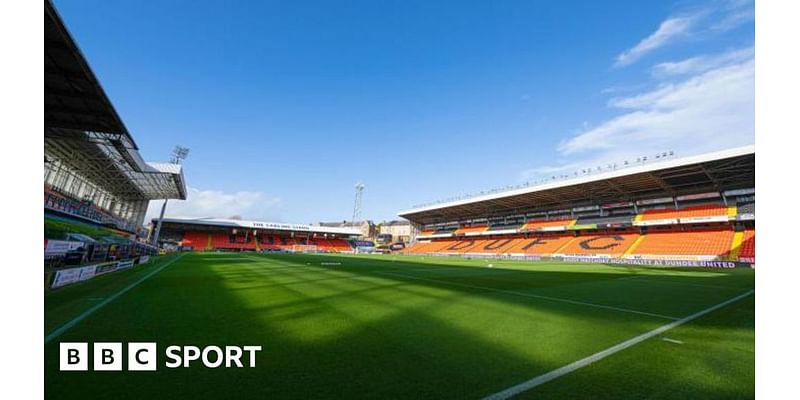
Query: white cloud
x,y
707,111
718,18
700,104
219,204
699,64
669,30
734,13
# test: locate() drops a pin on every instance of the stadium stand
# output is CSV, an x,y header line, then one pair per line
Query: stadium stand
x,y
705,243
503,245
620,220
196,240
471,229
698,208
539,244
747,208
694,243
606,244
748,247
497,246
447,230
97,186
500,226
207,234
541,224
711,210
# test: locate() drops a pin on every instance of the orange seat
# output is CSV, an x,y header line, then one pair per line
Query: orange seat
x,y
533,225
694,243
711,210
471,229
748,246
539,245
691,243
196,240
605,244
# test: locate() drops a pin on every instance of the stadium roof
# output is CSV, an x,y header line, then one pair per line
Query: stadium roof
x,y
84,131
276,226
712,172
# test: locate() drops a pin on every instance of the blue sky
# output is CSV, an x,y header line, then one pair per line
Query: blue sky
x,y
286,105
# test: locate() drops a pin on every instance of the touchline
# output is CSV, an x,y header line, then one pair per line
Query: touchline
x,y
142,356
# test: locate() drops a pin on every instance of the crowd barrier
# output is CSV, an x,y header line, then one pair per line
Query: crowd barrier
x,y
67,276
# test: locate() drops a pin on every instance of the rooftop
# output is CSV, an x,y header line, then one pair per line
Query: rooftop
x,y
83,131
717,171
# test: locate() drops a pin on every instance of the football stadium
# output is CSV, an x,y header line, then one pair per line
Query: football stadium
x,y
624,281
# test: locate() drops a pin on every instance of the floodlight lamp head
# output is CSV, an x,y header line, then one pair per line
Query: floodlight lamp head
x,y
179,153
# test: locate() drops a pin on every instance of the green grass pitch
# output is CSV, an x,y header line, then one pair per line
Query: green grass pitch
x,y
411,327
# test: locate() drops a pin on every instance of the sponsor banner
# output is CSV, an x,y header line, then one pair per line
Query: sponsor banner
x,y
272,225
749,260
60,247
66,276
551,213
660,200
695,220
144,259
656,222
657,262
87,272
580,256
586,208
125,264
746,217
479,255
526,257
617,205
739,192
709,195
552,229
671,257
607,259
79,274
523,256
506,256
105,268
582,226
615,225
499,232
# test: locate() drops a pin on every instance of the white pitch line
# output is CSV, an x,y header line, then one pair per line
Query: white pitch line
x,y
556,373
535,296
645,278
666,339
63,328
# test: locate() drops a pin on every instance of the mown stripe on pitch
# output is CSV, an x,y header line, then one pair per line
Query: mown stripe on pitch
x,y
534,296
556,373
67,326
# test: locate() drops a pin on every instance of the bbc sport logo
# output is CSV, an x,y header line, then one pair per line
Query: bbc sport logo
x,y
142,356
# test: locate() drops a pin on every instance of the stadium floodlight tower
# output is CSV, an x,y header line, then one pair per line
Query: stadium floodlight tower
x,y
357,205
179,153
